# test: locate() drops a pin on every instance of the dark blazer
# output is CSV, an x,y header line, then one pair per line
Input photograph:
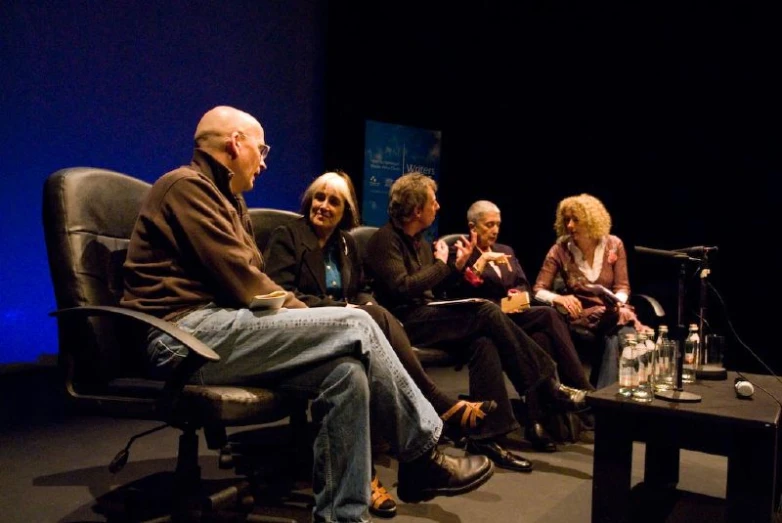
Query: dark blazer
x,y
494,286
296,262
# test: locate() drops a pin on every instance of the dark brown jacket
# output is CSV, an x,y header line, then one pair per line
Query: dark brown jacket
x,y
193,245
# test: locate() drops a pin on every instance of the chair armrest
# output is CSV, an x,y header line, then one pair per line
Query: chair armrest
x,y
653,303
190,341
198,354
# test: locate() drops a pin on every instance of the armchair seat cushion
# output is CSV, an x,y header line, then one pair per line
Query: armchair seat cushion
x,y
225,405
236,405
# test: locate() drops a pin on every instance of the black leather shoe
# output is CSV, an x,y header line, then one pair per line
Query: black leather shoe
x,y
536,434
501,457
439,474
569,399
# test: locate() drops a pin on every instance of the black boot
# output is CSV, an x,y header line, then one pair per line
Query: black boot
x,y
534,431
536,434
438,474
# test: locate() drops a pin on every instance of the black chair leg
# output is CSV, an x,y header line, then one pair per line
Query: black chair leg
x,y
188,472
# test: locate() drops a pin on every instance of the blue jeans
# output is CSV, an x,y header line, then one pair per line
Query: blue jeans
x,y
335,356
609,366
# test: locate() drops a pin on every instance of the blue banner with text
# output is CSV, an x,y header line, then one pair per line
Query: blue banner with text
x,y
392,150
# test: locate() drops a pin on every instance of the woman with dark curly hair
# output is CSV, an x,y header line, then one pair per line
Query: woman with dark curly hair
x,y
592,264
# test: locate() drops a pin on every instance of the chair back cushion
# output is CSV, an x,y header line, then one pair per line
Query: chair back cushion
x,y
88,217
362,234
450,239
265,220
429,357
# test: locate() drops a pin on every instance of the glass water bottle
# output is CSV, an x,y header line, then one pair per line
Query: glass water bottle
x,y
628,366
644,354
692,355
665,371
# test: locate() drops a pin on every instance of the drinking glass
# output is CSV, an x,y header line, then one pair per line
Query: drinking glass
x,y
665,377
714,351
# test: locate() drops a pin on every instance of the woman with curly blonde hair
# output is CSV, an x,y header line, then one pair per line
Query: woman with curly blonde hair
x,y
590,213
592,265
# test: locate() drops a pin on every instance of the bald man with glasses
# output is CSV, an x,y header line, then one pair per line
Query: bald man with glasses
x,y
192,260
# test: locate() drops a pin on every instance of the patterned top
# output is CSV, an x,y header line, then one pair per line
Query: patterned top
x,y
564,260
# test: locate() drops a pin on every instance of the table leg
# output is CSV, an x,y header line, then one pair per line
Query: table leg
x,y
661,465
612,469
752,475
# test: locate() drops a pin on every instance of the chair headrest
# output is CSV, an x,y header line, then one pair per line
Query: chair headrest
x,y
265,220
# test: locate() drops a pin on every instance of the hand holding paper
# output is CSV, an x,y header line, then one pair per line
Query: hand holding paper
x,y
599,290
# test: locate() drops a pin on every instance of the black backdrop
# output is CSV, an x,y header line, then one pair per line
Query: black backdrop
x,y
670,114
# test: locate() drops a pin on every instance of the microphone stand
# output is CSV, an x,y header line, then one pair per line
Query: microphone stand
x,y
707,370
678,394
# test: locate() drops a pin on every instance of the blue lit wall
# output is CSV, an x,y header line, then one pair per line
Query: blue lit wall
x,y
121,85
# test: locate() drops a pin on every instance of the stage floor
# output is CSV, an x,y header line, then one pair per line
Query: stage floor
x,y
53,468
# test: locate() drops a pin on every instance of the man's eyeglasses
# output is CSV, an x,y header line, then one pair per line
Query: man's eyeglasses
x,y
263,149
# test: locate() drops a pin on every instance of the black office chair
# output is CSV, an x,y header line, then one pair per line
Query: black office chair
x,y
450,239
88,217
266,219
428,356
589,346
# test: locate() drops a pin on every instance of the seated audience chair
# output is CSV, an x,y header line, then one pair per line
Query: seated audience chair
x,y
648,309
265,220
426,355
88,216
590,348
450,239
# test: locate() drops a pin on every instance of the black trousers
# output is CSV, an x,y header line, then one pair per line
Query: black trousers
x,y
492,344
400,342
550,330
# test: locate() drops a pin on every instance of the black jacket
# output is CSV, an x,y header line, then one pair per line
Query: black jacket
x,y
296,262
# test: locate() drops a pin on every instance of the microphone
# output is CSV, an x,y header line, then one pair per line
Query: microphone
x,y
744,389
661,252
698,250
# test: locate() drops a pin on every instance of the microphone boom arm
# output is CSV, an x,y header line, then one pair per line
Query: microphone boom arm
x,y
677,255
